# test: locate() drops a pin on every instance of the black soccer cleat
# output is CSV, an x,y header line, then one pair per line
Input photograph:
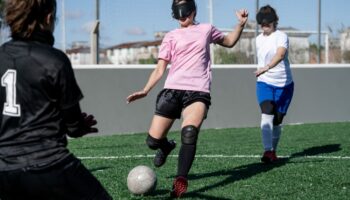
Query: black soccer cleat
x,y
161,155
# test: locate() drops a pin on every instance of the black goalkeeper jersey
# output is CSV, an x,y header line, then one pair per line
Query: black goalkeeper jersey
x,y
37,82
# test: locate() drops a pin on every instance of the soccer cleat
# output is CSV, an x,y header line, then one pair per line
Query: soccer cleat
x,y
269,157
179,187
161,155
274,156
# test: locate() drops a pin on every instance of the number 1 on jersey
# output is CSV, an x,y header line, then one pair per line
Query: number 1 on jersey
x,y
8,80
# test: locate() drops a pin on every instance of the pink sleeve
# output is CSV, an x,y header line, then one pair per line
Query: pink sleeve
x,y
216,35
165,49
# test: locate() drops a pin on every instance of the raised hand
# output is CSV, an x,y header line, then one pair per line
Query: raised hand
x,y
242,16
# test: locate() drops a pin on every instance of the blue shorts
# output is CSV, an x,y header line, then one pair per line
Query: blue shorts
x,y
281,96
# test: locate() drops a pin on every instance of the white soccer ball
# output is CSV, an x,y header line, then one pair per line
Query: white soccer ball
x,y
141,180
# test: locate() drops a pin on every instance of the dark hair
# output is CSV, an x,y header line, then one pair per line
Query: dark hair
x,y
177,2
267,14
26,16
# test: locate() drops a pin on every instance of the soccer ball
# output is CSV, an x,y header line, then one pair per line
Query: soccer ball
x,y
141,180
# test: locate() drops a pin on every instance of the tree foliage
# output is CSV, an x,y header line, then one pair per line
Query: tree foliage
x,y
150,60
346,56
223,56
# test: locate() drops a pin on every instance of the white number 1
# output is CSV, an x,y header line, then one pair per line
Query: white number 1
x,y
8,80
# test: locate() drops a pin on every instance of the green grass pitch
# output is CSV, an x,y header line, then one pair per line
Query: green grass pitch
x,y
314,164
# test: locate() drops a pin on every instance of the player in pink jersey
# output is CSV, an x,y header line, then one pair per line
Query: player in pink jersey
x,y
187,87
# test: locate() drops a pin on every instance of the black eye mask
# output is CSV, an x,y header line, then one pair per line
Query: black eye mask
x,y
183,10
265,18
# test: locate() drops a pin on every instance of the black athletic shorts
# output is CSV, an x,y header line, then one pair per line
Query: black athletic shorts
x,y
68,180
170,102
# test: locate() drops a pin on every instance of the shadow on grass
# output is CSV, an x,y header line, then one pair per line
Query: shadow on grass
x,y
317,150
247,171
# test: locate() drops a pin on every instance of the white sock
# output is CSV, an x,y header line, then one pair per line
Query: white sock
x,y
266,131
276,136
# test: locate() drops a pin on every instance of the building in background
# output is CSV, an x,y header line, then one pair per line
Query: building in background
x,y
80,54
144,52
345,45
335,49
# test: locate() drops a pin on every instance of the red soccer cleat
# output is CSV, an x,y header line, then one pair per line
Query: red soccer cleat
x,y
179,187
274,156
269,157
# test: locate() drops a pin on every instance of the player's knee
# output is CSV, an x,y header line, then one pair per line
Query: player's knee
x,y
189,135
278,119
267,107
152,142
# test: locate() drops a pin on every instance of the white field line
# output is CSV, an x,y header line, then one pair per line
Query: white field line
x,y
211,156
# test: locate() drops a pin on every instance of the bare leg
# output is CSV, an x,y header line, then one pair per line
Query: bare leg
x,y
194,114
160,126
157,139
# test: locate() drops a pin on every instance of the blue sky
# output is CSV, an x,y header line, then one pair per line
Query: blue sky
x,y
137,20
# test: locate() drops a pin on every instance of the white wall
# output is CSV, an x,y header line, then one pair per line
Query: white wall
x,y
321,95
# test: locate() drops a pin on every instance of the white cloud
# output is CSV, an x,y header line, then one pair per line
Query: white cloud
x,y
72,15
87,27
84,29
135,31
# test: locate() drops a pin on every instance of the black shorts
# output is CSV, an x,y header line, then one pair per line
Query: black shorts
x,y
171,102
68,180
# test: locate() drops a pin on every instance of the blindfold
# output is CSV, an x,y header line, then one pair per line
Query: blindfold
x,y
183,10
265,18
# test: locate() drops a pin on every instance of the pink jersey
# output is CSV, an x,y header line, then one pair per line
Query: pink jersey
x,y
188,51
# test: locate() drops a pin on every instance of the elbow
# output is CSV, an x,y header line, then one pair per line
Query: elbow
x,y
231,45
281,57
228,42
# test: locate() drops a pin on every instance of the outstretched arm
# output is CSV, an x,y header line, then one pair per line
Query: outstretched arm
x,y
155,76
78,123
231,39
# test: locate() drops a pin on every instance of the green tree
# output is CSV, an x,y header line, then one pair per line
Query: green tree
x,y
346,56
150,60
314,47
223,56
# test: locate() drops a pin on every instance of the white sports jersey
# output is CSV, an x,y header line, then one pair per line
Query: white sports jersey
x,y
267,46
